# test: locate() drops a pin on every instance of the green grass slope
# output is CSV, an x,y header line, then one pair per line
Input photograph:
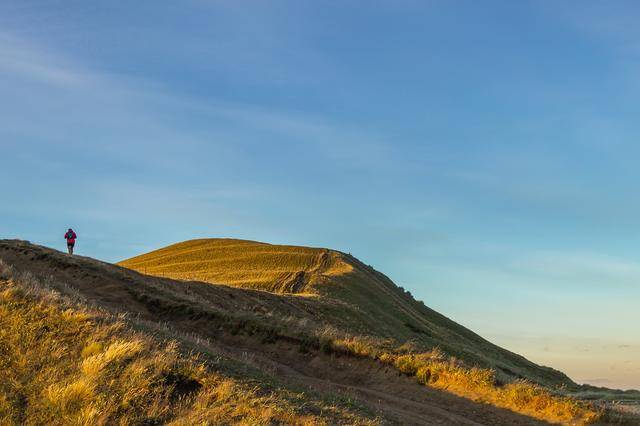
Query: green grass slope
x,y
350,296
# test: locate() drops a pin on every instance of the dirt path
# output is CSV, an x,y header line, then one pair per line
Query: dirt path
x,y
395,398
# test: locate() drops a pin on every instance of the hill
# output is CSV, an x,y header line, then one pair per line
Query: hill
x,y
176,351
348,295
64,362
88,367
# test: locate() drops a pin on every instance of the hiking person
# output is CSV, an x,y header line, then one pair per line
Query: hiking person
x,y
70,236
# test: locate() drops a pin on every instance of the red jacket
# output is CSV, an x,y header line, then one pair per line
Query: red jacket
x,y
71,237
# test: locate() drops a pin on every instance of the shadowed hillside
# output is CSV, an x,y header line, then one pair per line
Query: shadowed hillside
x,y
357,297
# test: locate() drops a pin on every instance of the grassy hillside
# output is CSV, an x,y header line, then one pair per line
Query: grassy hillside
x,y
346,295
248,264
65,363
280,358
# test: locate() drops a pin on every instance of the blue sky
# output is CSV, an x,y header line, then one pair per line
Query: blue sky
x,y
482,154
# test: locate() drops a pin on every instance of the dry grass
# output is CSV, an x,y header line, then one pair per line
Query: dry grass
x,y
63,364
103,356
235,262
442,372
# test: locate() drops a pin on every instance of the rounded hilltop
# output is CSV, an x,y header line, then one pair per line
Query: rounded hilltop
x,y
244,263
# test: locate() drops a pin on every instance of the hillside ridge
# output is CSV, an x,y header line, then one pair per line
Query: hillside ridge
x,y
250,334
342,340
376,305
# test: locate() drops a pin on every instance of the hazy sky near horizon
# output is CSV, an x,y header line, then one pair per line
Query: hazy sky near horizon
x,y
484,155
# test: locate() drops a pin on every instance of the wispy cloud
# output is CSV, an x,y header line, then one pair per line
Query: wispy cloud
x,y
173,154
21,58
206,161
107,99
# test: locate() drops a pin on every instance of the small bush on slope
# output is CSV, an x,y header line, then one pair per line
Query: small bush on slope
x,y
63,365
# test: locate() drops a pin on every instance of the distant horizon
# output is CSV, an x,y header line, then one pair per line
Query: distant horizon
x,y
483,156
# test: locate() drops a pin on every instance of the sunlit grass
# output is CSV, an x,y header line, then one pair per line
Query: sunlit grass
x,y
234,262
110,372
70,365
439,371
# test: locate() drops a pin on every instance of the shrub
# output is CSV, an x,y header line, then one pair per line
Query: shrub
x,y
69,399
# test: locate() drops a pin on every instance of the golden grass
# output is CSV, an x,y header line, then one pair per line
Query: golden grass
x,y
235,262
99,356
439,371
70,365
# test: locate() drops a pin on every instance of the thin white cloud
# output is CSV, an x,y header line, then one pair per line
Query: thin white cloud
x,y
20,58
141,107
